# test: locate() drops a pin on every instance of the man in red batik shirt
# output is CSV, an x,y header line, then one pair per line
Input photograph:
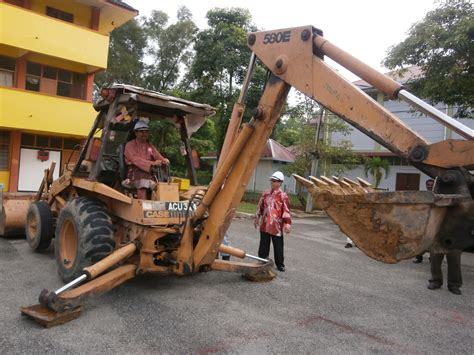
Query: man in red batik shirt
x,y
140,157
274,211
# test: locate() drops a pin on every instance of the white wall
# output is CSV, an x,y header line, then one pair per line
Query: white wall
x,y
32,170
425,126
388,183
259,180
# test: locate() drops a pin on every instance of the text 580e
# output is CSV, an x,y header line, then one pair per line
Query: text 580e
x,y
277,37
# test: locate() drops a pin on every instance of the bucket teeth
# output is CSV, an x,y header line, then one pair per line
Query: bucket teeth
x,y
305,182
328,181
366,185
336,185
317,182
344,185
363,183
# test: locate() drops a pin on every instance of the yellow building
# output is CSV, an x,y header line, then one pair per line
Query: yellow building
x,y
49,53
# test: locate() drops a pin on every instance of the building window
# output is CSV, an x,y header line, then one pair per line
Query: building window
x,y
7,71
4,149
60,15
55,81
33,76
48,142
396,161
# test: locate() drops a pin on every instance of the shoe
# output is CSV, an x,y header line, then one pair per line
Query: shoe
x,y
281,268
348,245
433,286
455,290
418,261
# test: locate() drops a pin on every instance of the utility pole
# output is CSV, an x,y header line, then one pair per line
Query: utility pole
x,y
315,157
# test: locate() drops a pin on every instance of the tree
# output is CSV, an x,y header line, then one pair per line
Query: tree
x,y
125,61
299,129
169,48
220,62
376,167
442,46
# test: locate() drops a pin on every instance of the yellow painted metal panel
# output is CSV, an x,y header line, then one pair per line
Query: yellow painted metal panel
x,y
4,177
40,33
33,111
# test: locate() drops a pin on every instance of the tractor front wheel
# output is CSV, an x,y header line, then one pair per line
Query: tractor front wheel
x,y
84,236
39,226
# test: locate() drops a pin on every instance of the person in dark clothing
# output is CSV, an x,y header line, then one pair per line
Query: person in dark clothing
x,y
453,259
418,259
454,271
274,211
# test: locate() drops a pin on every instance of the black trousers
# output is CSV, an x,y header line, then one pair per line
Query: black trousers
x,y
264,248
454,268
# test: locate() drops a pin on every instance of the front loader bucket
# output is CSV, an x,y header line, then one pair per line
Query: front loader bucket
x,y
389,226
13,209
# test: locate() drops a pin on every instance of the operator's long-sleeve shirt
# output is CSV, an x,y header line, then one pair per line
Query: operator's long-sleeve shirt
x,y
142,155
274,210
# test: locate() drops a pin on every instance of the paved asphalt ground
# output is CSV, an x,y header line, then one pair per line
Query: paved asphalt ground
x,y
330,300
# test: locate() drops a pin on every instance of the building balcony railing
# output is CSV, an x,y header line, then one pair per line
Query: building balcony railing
x,y
38,112
39,33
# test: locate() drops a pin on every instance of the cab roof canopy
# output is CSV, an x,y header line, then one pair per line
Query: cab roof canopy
x,y
155,105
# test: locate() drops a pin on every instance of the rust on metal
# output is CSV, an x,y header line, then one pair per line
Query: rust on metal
x,y
260,276
237,179
49,318
312,76
258,272
387,226
13,208
451,153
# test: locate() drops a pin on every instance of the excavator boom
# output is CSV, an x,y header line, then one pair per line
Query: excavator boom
x,y
387,226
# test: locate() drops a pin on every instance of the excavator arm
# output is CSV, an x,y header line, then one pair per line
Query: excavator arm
x,y
296,56
388,227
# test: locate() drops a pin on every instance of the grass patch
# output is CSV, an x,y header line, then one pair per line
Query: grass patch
x,y
253,197
247,207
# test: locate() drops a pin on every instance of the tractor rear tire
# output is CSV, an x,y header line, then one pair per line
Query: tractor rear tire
x,y
84,236
39,226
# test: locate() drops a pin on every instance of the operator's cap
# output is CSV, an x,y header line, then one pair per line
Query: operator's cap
x,y
277,176
141,126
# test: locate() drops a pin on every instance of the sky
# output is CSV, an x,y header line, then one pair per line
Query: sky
x,y
364,28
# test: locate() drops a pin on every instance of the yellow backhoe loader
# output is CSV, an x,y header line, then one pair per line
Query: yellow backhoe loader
x,y
97,221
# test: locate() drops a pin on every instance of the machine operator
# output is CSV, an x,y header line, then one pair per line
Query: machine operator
x,y
141,157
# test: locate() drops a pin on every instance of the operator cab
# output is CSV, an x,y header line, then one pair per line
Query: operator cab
x,y
119,109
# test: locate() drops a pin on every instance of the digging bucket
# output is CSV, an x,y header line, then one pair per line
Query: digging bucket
x,y
389,226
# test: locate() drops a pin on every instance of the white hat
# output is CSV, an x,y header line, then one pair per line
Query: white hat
x,y
141,126
277,175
